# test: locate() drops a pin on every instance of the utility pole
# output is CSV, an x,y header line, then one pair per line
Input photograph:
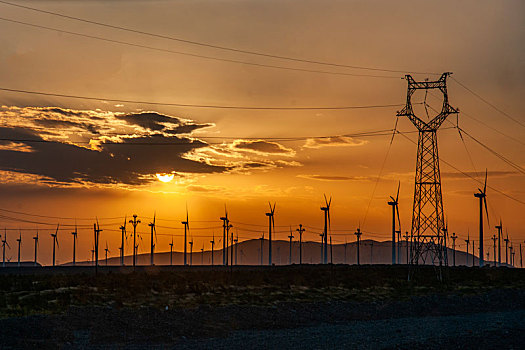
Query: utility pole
x,y
291,237
123,235
358,234
427,213
186,229
134,222
97,231
454,237
19,240
300,230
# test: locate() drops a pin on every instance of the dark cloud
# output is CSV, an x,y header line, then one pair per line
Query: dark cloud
x,y
66,124
261,146
332,177
128,163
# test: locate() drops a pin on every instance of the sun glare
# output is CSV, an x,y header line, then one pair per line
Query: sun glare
x,y
165,177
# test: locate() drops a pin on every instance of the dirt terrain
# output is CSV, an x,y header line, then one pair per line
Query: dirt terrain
x,y
311,306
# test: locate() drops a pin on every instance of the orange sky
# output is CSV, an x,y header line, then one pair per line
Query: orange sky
x,y
481,42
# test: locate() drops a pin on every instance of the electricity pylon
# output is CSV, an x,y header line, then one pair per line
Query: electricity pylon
x,y
427,214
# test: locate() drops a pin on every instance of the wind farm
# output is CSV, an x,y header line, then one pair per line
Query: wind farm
x,y
261,174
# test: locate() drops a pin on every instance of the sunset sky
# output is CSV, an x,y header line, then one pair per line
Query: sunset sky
x,y
100,164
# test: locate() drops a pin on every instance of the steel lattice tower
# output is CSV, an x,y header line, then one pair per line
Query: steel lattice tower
x,y
427,213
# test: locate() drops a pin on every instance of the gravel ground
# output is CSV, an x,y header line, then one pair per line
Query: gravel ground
x,y
480,331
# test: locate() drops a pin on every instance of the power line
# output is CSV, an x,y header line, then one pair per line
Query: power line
x,y
204,44
487,102
91,98
120,42
470,176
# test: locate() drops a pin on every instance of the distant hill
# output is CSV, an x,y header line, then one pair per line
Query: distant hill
x,y
248,253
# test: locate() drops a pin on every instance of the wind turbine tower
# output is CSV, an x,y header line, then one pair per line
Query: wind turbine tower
x,y
55,243
186,229
291,237
152,243
500,237
171,252
212,242
468,243
107,251
358,234
300,230
507,249
122,239
191,251
19,240
225,228
36,247
326,210
271,224
454,237
494,241
394,203
482,195
427,213
4,243
74,233
134,222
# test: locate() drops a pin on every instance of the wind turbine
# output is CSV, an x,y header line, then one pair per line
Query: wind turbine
x,y
225,224
507,249
395,209
202,254
500,237
123,238
212,245
454,237
171,252
291,237
482,195
55,243
468,243
153,236
134,222
96,233
326,211
191,251
186,230
74,233
358,234
4,243
322,247
107,251
36,246
271,224
19,240
262,247
494,239
300,230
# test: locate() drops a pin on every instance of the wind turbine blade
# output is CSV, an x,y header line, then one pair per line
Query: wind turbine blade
x,y
398,221
486,210
56,232
154,216
325,200
329,201
485,186
397,195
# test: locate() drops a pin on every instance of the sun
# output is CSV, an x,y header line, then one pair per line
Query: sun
x,y
165,177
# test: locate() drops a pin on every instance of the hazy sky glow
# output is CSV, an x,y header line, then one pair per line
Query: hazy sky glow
x,y
100,163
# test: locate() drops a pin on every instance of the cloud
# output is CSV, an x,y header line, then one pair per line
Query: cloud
x,y
333,177
262,147
337,141
159,122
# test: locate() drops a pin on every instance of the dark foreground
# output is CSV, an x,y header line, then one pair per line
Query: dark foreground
x,y
310,307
